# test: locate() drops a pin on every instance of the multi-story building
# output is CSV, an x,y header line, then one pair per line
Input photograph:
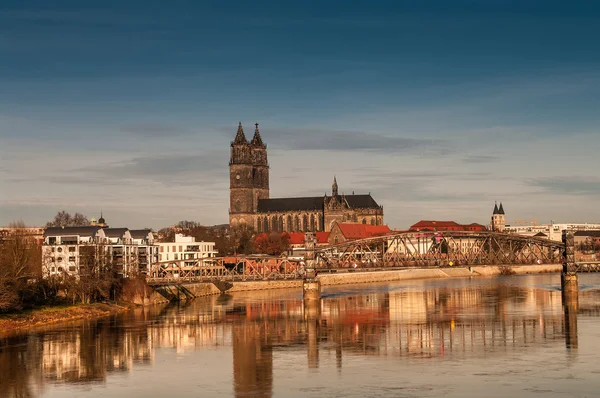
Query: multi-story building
x,y
67,249
185,248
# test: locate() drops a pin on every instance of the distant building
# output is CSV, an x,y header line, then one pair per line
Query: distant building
x,y
551,231
251,205
343,232
426,225
498,222
185,248
36,233
101,222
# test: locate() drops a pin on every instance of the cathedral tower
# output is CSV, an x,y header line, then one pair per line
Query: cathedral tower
x,y
260,168
248,177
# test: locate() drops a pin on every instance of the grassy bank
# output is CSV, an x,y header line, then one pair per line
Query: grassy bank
x,y
54,314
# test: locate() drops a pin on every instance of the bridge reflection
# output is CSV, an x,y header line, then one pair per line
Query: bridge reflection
x,y
414,325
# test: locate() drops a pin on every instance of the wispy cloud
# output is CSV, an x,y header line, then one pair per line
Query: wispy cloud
x,y
568,185
476,159
155,130
356,141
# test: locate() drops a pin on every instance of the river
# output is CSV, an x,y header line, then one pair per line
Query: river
x,y
492,337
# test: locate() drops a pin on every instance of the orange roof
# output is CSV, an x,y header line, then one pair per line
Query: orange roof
x,y
361,231
297,238
424,225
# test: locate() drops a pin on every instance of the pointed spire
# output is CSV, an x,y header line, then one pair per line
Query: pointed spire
x,y
334,187
495,208
256,140
240,138
501,209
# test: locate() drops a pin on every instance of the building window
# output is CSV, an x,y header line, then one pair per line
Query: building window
x,y
312,223
162,249
72,259
72,249
305,223
290,223
274,224
364,221
59,259
59,249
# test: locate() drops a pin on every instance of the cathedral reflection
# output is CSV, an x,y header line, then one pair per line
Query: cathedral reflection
x,y
426,323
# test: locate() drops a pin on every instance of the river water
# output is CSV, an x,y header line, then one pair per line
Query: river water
x,y
499,337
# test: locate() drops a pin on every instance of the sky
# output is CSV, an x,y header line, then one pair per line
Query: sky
x,y
436,108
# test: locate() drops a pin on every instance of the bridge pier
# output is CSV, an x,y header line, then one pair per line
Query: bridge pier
x,y
568,278
311,288
569,284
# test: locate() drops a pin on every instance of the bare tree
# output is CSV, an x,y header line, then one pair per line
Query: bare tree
x,y
20,267
65,219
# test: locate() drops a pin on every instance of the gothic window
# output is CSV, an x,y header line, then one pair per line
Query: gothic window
x,y
296,223
280,224
259,225
305,223
289,223
312,223
364,221
321,223
274,224
266,224
355,218
372,221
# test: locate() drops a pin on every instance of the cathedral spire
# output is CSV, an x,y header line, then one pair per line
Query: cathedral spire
x,y
334,187
240,138
256,140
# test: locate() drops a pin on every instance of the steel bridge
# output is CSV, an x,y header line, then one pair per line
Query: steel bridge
x,y
393,251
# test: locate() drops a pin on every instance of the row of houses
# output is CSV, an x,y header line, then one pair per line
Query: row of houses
x,y
130,252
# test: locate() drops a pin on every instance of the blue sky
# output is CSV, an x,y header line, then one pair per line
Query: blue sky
x,y
437,108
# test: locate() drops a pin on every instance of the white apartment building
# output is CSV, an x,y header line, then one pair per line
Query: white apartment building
x,y
185,248
64,249
552,231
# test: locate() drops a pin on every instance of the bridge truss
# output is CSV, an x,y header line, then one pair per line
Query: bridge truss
x,y
242,268
422,249
440,249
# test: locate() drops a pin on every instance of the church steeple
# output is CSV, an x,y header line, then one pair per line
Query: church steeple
x,y
334,187
495,208
256,140
240,138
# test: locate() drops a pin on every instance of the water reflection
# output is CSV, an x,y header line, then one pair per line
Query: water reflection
x,y
421,320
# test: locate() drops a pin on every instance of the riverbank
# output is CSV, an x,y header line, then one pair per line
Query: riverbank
x,y
55,314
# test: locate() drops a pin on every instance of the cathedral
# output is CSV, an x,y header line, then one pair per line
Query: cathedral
x,y
250,204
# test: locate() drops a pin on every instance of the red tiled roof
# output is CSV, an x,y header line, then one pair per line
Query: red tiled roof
x,y
361,231
426,225
297,238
